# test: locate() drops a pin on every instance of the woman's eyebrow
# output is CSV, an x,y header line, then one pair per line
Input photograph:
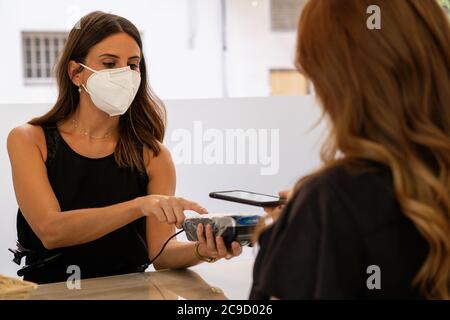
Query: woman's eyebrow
x,y
117,57
109,55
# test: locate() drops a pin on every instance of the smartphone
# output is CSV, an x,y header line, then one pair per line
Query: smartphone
x,y
247,197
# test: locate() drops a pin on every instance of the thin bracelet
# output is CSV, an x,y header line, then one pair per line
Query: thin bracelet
x,y
200,257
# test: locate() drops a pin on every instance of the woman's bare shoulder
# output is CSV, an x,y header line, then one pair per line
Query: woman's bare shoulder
x,y
154,161
27,135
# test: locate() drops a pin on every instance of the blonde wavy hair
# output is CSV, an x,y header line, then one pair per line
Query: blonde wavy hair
x,y
386,94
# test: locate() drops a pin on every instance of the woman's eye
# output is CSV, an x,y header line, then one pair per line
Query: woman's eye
x,y
133,66
109,65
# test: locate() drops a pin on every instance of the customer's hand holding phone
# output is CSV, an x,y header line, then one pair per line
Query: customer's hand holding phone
x,y
275,212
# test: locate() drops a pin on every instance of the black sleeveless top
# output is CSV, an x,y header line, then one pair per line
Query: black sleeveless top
x,y
336,226
81,182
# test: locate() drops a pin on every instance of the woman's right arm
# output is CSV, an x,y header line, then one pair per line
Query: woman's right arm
x,y
41,209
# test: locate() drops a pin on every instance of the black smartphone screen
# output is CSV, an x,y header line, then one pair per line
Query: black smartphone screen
x,y
247,197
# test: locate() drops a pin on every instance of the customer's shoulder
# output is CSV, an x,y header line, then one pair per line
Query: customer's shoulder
x,y
356,176
360,191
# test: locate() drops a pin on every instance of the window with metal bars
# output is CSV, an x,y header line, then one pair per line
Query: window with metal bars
x,y
40,52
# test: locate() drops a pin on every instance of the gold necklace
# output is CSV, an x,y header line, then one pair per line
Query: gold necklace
x,y
85,133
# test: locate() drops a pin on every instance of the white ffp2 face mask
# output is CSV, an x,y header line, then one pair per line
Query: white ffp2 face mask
x,y
113,90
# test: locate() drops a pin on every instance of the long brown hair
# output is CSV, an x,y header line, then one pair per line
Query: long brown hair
x,y
386,94
144,121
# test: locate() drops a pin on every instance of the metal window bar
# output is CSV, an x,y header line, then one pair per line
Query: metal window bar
x,y
51,49
33,57
40,52
47,56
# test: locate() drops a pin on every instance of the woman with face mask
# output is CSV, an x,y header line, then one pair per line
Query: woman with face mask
x,y
94,184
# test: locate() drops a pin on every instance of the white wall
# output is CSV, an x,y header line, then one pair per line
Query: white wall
x,y
293,117
253,49
166,27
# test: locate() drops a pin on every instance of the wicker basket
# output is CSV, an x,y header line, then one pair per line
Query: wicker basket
x,y
14,289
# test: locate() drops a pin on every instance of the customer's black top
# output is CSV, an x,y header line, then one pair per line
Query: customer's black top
x,y
81,182
335,227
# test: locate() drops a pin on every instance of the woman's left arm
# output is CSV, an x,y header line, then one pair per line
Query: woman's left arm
x,y
176,255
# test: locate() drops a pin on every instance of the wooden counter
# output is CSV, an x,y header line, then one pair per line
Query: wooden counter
x,y
221,280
